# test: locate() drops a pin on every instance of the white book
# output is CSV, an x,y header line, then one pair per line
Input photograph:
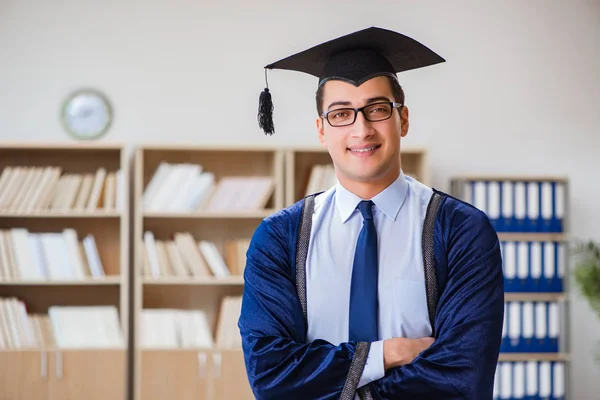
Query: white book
x,y
202,191
514,322
155,184
518,380
93,258
214,259
21,246
507,199
523,263
561,259
38,260
71,243
558,388
549,262
528,320
506,381
546,200
532,378
536,260
520,200
559,205
480,196
493,200
533,208
95,195
169,188
540,320
152,253
188,182
511,267
545,380
553,320
57,257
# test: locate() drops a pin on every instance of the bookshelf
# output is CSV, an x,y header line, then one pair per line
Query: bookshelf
x,y
302,164
176,285
64,256
530,215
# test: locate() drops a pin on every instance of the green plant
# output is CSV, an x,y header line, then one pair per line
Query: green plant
x,y
586,272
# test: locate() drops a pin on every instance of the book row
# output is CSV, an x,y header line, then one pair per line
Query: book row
x,y
188,187
183,256
533,266
531,380
515,206
48,256
531,327
98,326
62,327
168,328
27,189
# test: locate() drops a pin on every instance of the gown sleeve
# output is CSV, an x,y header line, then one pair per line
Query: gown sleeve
x,y
461,363
279,362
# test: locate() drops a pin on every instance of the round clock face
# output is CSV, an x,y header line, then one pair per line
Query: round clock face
x,y
87,114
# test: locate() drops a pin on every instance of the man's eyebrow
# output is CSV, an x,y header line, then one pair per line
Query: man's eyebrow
x,y
376,99
369,101
339,103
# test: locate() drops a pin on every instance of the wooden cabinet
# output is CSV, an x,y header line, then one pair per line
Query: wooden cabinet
x,y
63,375
179,374
88,374
229,379
24,375
193,374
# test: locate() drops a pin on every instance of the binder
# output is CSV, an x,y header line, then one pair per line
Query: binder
x,y
530,380
533,266
518,206
531,327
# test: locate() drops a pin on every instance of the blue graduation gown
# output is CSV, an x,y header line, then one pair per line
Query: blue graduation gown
x,y
468,318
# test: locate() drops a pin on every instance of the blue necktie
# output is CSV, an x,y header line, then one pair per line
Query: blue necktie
x,y
363,289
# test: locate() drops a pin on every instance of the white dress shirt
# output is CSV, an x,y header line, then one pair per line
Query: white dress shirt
x,y
399,212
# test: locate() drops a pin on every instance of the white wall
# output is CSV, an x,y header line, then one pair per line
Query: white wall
x,y
520,93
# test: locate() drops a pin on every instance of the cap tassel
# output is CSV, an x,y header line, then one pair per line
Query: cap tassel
x,y
265,110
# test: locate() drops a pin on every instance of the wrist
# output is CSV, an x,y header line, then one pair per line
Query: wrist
x,y
392,353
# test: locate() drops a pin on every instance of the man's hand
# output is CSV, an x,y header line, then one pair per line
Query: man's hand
x,y
401,351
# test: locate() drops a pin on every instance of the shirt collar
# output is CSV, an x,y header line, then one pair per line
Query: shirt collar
x,y
389,200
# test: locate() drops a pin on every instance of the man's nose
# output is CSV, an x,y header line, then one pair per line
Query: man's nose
x,y
362,126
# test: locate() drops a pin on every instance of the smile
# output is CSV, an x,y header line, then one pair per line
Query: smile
x,y
364,150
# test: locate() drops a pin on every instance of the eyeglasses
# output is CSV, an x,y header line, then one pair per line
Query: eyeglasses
x,y
373,112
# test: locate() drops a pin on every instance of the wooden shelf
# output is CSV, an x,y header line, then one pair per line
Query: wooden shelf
x,y
152,366
109,280
534,357
511,178
534,296
532,237
194,281
51,372
68,215
258,214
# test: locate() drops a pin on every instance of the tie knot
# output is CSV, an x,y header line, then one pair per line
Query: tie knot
x,y
365,209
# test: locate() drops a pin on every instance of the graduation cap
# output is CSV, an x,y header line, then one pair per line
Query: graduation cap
x,y
353,58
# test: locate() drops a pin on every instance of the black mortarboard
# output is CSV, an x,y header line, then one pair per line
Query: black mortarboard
x,y
353,58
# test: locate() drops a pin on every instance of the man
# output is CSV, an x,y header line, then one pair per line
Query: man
x,y
380,287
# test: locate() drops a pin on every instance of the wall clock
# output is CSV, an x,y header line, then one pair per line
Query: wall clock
x,y
86,114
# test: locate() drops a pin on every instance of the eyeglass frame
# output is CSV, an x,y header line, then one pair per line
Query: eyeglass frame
x,y
394,105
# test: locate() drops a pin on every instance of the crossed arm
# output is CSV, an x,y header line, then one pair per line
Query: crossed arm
x,y
459,364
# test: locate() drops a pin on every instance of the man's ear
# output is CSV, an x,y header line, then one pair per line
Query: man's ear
x,y
404,121
321,131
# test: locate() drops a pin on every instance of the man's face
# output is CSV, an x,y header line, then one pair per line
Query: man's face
x,y
364,151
